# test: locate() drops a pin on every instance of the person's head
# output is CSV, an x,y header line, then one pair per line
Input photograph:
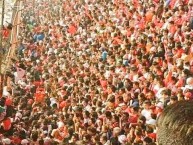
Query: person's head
x,y
147,141
125,116
173,99
108,114
103,138
138,132
149,129
146,104
116,131
141,119
175,125
91,131
105,129
86,138
126,97
74,138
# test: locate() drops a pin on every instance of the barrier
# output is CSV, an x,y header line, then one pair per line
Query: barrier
x,y
14,33
12,43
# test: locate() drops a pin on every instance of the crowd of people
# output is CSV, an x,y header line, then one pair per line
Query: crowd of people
x,y
97,72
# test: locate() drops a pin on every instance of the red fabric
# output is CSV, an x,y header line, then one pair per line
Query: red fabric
x,y
149,16
72,29
152,135
116,124
16,140
179,52
5,33
179,21
40,95
172,3
7,124
156,1
136,3
8,102
186,1
103,83
117,40
172,29
180,82
62,104
38,83
133,118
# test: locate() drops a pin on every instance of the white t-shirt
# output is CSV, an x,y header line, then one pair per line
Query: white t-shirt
x,y
146,113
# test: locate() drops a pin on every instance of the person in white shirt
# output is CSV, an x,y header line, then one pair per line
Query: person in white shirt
x,y
146,112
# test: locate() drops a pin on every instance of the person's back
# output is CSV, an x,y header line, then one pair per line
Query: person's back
x,y
175,124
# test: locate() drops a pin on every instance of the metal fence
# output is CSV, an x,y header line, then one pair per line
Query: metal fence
x,y
12,40
10,44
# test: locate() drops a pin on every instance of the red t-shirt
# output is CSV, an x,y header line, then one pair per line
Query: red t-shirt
x,y
63,104
7,124
133,118
5,33
72,29
8,102
103,83
15,140
152,135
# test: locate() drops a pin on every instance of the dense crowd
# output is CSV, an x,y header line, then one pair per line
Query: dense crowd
x,y
97,72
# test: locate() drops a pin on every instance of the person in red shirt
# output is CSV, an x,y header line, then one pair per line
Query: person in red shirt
x,y
15,139
133,114
6,124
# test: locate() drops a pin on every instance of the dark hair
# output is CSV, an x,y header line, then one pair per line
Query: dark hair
x,y
147,140
41,142
175,124
149,129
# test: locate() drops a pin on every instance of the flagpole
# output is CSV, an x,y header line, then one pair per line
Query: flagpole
x,y
1,46
2,19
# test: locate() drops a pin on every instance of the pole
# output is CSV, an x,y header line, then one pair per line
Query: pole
x,y
1,46
2,19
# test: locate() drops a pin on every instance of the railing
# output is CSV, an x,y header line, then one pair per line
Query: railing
x,y
13,37
11,43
